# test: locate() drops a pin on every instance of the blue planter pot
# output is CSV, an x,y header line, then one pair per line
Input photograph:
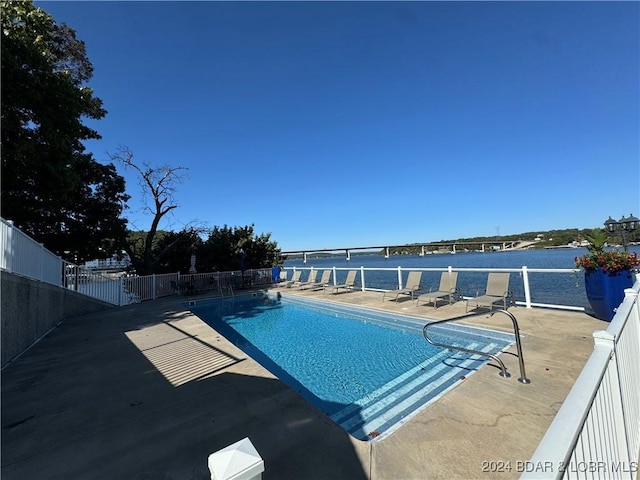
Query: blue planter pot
x,y
605,292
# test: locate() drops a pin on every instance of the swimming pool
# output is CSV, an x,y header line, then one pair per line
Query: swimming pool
x,y
368,371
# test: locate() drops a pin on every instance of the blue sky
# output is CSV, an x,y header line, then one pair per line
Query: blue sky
x,y
335,124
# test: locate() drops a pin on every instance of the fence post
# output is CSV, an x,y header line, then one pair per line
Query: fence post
x,y
41,261
120,289
334,276
362,278
12,244
240,461
399,278
527,291
153,286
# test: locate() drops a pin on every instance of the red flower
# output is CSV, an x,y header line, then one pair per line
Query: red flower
x,y
611,261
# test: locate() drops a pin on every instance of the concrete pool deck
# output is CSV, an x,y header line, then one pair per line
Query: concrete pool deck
x,y
148,391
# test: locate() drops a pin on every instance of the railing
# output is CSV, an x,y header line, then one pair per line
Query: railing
x,y
152,287
148,287
596,433
24,256
516,331
221,281
107,288
523,272
125,290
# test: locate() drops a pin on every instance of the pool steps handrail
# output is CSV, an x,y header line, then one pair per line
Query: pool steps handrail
x,y
516,331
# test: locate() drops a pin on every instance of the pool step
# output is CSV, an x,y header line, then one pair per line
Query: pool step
x,y
388,407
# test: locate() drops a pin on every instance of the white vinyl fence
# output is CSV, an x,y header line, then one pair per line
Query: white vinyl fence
x,y
365,273
24,256
596,433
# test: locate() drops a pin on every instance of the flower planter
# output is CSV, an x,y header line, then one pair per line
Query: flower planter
x,y
605,292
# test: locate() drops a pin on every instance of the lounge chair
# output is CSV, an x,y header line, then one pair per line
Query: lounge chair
x,y
497,291
310,280
200,284
412,286
347,285
447,289
324,280
294,279
280,280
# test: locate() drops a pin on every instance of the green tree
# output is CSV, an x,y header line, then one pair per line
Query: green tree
x,y
180,245
51,188
231,248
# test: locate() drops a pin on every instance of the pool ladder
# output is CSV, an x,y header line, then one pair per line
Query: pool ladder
x,y
516,331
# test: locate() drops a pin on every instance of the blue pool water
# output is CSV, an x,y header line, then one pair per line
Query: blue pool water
x,y
368,371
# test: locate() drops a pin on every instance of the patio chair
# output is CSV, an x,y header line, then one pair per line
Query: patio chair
x,y
294,279
447,289
497,291
347,285
282,278
310,279
412,286
324,280
181,287
200,284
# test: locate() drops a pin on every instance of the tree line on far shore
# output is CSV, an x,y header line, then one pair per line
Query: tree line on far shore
x,y
547,238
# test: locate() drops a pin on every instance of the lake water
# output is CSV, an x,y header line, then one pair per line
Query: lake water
x,y
549,288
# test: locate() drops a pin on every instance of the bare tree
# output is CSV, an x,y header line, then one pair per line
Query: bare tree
x,y
159,184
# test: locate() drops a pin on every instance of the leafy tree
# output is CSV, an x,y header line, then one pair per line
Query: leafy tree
x,y
221,251
231,248
51,188
181,245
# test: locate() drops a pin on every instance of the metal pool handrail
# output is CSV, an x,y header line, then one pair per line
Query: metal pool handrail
x,y
516,331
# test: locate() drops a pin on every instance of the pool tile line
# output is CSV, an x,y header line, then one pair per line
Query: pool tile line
x,y
403,321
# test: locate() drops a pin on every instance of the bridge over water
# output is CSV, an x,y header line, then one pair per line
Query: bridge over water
x,y
425,248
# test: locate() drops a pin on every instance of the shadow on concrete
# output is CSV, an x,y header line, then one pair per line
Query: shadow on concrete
x,y
87,402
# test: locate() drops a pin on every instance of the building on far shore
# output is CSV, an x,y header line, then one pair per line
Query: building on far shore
x,y
116,262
